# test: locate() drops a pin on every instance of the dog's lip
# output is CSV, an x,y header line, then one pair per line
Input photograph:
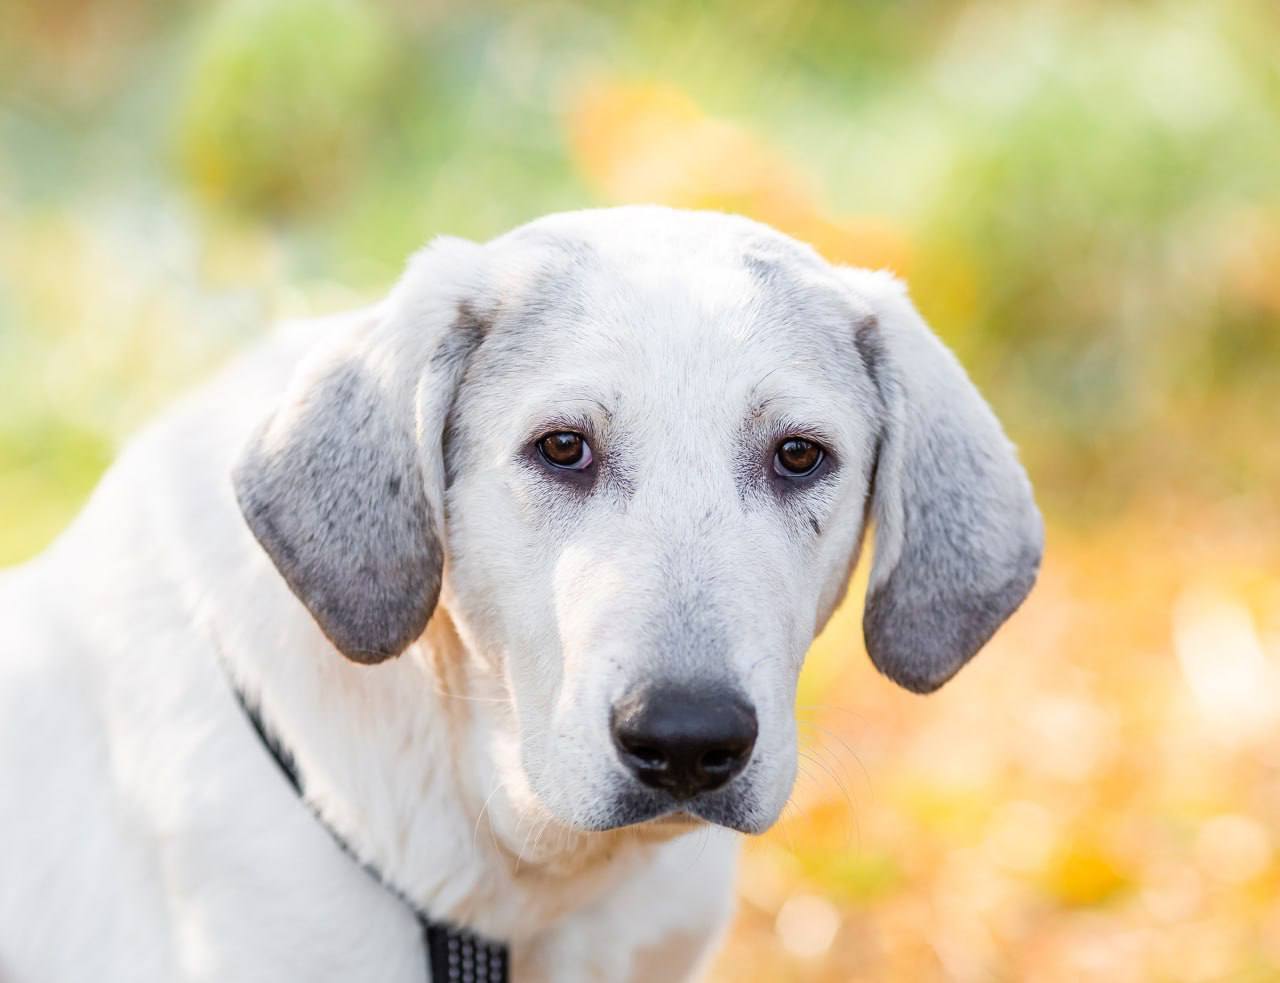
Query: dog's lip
x,y
688,816
644,808
680,817
712,816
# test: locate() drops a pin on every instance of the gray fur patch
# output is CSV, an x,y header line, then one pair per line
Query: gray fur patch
x,y
921,638
365,561
333,488
953,507
763,270
870,347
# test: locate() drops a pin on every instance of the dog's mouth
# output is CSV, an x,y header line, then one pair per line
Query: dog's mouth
x,y
727,807
678,818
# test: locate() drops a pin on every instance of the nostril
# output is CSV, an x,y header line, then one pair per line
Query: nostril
x,y
645,756
719,760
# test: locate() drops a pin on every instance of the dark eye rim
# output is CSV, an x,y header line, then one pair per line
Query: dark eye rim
x,y
782,471
584,462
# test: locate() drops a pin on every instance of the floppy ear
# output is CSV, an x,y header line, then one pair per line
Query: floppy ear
x,y
343,484
958,536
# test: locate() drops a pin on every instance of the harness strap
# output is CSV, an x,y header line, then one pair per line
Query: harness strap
x,y
453,954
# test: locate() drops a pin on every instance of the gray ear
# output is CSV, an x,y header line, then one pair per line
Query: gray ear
x,y
958,536
343,484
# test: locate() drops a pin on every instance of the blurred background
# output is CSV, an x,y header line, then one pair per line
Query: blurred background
x,y
1085,199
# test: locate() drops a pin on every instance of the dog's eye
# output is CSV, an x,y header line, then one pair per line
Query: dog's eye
x,y
566,449
797,457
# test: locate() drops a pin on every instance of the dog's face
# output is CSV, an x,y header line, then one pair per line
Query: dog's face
x,y
658,463
637,449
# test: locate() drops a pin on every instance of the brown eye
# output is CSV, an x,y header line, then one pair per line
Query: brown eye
x,y
797,457
565,449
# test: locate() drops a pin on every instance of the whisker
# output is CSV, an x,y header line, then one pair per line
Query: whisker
x,y
827,731
475,832
839,785
829,707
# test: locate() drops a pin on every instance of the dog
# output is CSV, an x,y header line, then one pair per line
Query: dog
x,y
515,571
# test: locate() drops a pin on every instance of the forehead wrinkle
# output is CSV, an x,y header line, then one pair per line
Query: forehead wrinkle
x,y
539,409
580,399
826,400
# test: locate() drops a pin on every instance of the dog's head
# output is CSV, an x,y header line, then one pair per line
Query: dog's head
x,y
634,451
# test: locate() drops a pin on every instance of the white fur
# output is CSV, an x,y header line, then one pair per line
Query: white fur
x,y
145,833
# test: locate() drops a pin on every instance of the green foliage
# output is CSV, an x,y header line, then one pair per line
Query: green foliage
x,y
282,102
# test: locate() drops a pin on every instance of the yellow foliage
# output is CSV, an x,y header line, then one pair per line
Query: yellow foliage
x,y
1085,874
644,142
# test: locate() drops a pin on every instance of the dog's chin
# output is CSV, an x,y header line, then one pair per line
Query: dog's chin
x,y
649,810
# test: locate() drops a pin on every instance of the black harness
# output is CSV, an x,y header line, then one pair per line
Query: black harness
x,y
453,955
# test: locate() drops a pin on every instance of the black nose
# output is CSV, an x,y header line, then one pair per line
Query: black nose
x,y
684,741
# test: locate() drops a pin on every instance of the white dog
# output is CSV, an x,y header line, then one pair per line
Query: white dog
x,y
518,568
